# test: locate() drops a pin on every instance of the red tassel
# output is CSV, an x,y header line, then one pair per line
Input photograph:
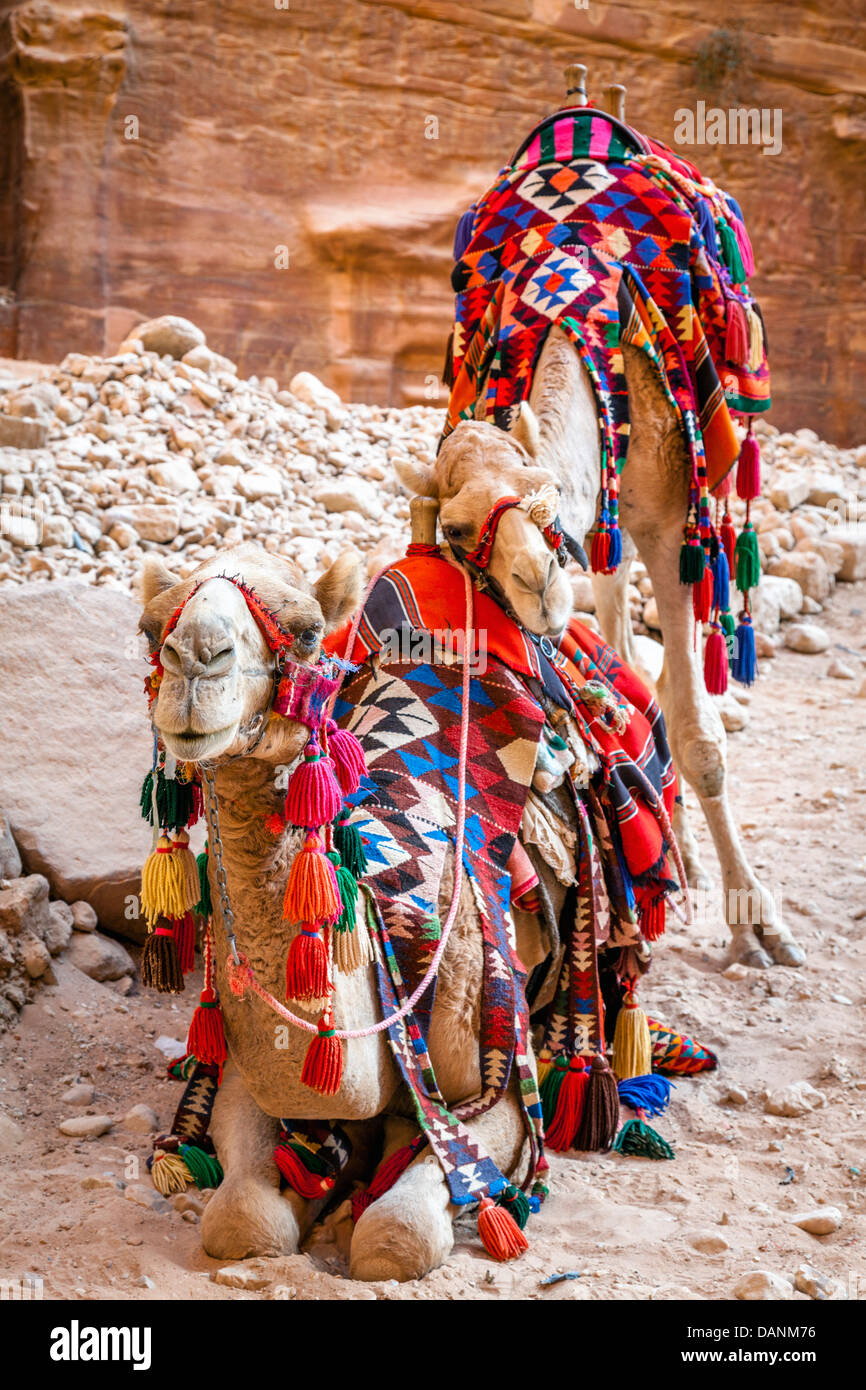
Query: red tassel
x,y
737,334
728,537
500,1234
312,895
716,662
323,1064
384,1178
307,967
749,470
599,554
206,1039
305,1183
702,596
275,824
313,797
184,935
652,918
569,1107
348,758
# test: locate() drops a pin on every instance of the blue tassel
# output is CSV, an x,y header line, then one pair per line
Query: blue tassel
x,y
650,1094
615,555
707,224
744,666
463,233
721,579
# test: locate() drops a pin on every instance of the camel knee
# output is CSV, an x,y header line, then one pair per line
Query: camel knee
x,y
248,1218
407,1231
702,762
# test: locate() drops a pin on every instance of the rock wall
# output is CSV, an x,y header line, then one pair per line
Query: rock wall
x,y
289,178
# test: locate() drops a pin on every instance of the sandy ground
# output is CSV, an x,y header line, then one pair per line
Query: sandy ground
x,y
84,1218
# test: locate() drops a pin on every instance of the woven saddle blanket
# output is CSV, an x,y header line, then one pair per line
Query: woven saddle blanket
x,y
616,240
408,715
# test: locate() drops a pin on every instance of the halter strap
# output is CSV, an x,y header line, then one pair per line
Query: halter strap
x,y
300,690
480,556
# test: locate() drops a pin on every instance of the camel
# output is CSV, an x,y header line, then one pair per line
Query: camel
x,y
213,708
557,430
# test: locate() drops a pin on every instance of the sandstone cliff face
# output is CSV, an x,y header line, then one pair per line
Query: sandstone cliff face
x,y
290,178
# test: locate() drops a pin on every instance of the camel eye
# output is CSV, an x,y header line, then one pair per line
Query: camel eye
x,y
308,638
454,533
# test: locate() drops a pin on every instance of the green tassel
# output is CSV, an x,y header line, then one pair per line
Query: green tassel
x,y
205,1168
549,1092
204,906
692,562
637,1139
731,252
174,800
748,559
347,840
727,623
348,889
515,1202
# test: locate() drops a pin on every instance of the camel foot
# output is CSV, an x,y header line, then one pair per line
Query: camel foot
x,y
407,1232
746,949
249,1218
784,950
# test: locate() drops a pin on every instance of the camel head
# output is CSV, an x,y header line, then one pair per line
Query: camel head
x,y
214,699
478,464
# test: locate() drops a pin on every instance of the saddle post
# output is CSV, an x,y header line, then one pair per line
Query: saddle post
x,y
616,100
575,85
423,513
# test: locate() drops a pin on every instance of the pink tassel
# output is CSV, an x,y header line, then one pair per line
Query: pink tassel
x,y
313,797
737,346
749,469
348,758
747,255
716,662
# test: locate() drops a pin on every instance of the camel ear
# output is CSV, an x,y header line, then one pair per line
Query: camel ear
x,y
338,592
155,578
418,477
525,429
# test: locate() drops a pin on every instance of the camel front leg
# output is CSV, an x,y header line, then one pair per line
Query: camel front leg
x,y
698,745
409,1230
247,1215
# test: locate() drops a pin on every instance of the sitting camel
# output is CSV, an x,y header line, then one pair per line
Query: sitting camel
x,y
213,638
213,707
558,429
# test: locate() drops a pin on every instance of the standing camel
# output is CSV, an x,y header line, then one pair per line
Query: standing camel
x,y
559,430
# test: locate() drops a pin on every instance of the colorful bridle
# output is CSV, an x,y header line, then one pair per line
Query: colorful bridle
x,y
301,690
322,888
541,509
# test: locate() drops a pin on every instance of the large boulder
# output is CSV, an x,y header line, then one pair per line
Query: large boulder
x,y
76,742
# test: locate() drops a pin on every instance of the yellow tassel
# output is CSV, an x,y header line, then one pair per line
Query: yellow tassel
x,y
632,1045
543,1063
181,851
169,1173
756,340
163,883
353,949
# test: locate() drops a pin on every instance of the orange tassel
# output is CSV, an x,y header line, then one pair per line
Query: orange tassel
x,y
500,1234
312,895
323,1064
307,967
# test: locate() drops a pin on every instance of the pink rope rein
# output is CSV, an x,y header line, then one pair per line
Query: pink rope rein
x,y
242,978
